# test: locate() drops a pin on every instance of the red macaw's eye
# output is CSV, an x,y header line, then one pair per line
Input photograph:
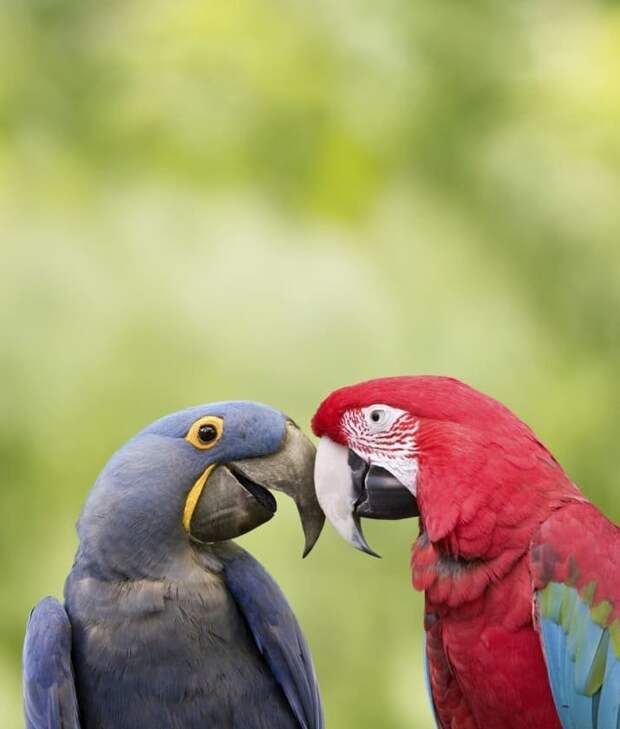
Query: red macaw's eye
x,y
379,418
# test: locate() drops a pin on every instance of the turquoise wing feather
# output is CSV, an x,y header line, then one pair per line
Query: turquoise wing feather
x,y
582,658
574,560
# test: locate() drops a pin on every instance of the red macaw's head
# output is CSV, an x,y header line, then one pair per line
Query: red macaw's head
x,y
398,447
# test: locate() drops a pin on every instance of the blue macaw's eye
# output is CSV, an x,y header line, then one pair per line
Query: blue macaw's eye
x,y
207,433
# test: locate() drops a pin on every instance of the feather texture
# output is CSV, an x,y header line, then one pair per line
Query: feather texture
x,y
152,634
277,635
574,559
49,689
500,521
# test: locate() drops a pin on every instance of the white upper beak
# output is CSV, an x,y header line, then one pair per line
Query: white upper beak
x,y
335,491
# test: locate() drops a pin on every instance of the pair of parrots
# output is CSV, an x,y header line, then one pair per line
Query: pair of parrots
x,y
167,624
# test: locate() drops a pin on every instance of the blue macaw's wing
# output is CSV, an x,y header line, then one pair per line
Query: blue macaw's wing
x,y
575,612
49,689
277,635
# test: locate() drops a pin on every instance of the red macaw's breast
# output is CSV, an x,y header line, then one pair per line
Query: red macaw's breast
x,y
486,666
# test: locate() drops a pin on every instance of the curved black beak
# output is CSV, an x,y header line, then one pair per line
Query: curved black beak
x,y
381,495
235,497
229,505
349,487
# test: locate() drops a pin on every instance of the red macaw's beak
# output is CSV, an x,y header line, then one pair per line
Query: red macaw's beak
x,y
349,487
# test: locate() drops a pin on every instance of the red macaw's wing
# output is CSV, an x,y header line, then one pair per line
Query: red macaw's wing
x,y
574,561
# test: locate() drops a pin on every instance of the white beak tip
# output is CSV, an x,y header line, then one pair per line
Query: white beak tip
x,y
335,492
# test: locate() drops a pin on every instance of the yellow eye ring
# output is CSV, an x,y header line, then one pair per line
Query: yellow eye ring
x,y
205,432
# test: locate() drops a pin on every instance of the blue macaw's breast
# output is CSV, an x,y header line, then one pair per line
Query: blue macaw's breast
x,y
164,654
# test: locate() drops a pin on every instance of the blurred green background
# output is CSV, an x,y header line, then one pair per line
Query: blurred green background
x,y
267,200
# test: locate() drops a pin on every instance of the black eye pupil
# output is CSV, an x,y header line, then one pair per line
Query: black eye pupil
x,y
207,433
375,416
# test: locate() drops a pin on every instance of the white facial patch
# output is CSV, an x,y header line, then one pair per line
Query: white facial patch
x,y
405,469
385,436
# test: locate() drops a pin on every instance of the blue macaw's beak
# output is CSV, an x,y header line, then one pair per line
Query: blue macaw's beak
x,y
235,498
349,487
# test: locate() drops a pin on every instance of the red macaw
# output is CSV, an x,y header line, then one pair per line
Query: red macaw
x,y
519,569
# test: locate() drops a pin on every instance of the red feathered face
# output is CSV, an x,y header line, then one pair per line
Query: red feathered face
x,y
367,462
378,437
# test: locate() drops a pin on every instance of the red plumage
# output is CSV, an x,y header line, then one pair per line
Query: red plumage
x,y
489,493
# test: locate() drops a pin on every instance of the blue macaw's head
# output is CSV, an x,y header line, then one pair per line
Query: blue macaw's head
x,y
200,475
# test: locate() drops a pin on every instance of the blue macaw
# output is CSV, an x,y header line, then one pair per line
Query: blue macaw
x,y
167,624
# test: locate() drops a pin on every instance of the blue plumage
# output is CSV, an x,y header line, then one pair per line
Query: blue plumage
x,y
555,657
49,690
277,635
583,667
609,703
160,629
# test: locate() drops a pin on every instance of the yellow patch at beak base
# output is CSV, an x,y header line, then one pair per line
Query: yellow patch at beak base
x,y
194,495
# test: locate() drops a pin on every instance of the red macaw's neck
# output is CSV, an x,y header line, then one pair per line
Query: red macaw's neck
x,y
481,497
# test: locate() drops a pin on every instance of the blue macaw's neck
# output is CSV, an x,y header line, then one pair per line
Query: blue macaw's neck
x,y
131,526
127,564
